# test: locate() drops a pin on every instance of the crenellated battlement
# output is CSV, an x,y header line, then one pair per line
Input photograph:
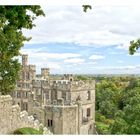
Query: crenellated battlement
x,y
61,85
74,85
82,85
41,83
65,84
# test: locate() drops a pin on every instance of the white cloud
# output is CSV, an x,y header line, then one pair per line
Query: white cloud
x,y
129,69
115,67
101,26
54,66
115,2
92,62
75,60
59,55
70,2
96,57
38,53
95,2
124,46
50,60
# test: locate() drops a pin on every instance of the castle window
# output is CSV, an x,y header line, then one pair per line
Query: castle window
x,y
35,116
47,95
55,94
64,95
50,123
26,94
25,105
27,76
27,86
18,95
88,112
88,95
71,79
90,127
24,75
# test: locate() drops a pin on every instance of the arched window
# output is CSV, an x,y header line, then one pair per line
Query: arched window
x,y
71,79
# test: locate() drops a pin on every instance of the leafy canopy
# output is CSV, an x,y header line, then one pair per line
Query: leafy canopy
x,y
12,20
134,46
86,7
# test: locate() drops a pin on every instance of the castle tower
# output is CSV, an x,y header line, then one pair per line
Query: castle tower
x,y
24,59
69,77
45,72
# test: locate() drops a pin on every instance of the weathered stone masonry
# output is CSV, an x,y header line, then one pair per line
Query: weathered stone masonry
x,y
11,118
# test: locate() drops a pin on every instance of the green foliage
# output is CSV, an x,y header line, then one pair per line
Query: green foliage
x,y
131,113
102,128
99,117
86,7
134,46
108,95
81,77
27,131
102,124
119,126
12,20
118,105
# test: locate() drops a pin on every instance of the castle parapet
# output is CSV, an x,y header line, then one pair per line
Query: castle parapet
x,y
74,85
61,85
82,85
41,84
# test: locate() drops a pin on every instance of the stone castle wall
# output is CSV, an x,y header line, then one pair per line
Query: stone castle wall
x,y
11,118
73,86
64,118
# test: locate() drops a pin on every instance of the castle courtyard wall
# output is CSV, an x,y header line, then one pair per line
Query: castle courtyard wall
x,y
11,117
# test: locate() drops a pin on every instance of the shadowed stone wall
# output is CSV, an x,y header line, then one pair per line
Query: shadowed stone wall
x,y
11,118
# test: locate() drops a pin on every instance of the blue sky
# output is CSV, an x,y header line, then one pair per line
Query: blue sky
x,y
70,41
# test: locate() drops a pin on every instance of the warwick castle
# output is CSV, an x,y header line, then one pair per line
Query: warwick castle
x,y
61,105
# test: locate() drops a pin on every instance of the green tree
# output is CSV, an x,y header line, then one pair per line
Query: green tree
x,y
12,20
108,95
134,46
127,120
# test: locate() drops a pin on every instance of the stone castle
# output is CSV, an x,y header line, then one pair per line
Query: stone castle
x,y
64,106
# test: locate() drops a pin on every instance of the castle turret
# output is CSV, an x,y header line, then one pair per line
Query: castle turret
x,y
24,60
45,72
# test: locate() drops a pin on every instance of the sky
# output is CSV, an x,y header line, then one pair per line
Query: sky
x,y
68,40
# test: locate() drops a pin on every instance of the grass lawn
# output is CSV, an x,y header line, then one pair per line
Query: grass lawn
x,y
27,131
